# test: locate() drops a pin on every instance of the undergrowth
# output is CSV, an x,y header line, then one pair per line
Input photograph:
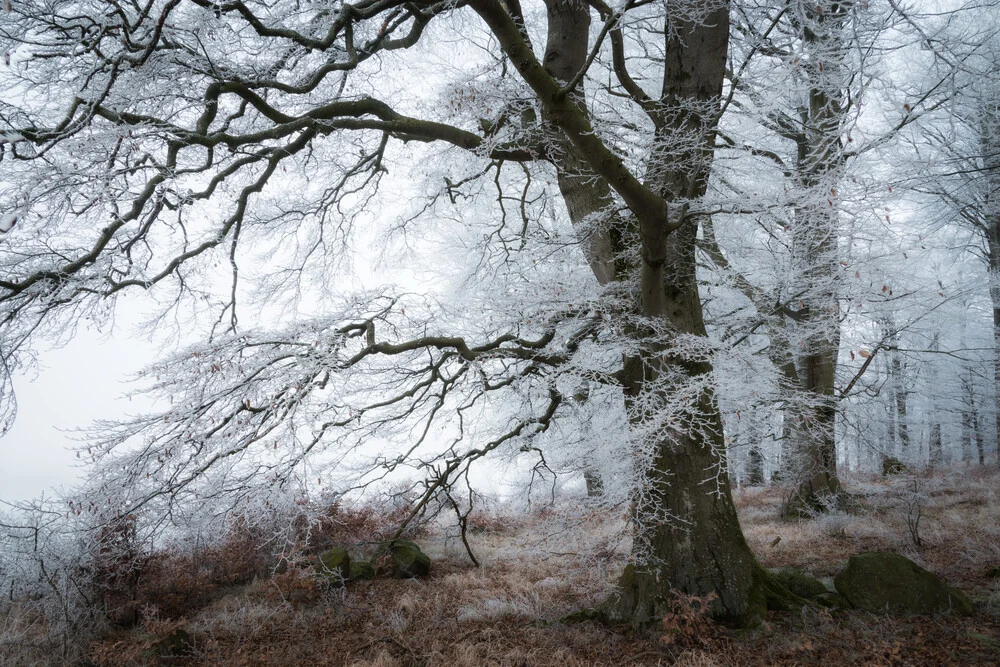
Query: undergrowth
x,y
252,598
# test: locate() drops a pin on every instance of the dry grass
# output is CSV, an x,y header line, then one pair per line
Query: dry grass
x,y
536,569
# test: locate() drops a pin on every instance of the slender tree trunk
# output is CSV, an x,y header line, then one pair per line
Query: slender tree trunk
x,y
968,415
990,144
934,446
755,467
815,236
899,391
980,439
935,454
966,436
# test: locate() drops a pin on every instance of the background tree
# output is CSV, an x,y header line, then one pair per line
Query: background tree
x,y
961,178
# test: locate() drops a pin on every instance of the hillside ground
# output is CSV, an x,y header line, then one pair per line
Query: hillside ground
x,y
537,568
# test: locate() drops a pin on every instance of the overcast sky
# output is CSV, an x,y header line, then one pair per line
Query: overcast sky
x,y
81,382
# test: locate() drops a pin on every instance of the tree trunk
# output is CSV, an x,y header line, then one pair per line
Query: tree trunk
x,y
755,467
990,140
935,455
815,234
968,417
980,439
899,394
687,533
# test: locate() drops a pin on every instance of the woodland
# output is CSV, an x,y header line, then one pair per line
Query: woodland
x,y
650,279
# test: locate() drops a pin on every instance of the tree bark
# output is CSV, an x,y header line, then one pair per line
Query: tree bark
x,y
935,454
687,534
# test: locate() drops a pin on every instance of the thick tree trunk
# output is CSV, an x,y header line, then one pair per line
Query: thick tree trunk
x,y
994,276
688,536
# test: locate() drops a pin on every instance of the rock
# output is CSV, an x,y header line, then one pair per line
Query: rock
x,y
799,583
893,466
335,565
408,560
889,583
362,569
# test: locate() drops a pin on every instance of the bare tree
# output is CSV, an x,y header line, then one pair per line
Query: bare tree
x,y
959,173
166,146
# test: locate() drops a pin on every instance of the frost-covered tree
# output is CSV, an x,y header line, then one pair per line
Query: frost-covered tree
x,y
956,180
796,141
230,159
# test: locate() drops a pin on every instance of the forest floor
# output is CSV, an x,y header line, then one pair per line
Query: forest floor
x,y
538,568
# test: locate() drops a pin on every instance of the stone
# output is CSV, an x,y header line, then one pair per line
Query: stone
x,y
889,583
335,565
893,466
408,560
799,583
362,569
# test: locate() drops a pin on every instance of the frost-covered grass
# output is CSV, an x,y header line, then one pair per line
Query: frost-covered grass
x,y
536,568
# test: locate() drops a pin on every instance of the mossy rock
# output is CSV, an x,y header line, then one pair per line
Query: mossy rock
x,y
362,569
408,560
335,565
889,583
799,583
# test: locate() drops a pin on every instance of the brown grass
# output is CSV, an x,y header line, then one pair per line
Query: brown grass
x,y
507,611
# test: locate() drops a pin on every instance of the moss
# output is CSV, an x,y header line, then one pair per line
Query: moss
x,y
799,583
767,593
362,569
889,583
408,560
335,565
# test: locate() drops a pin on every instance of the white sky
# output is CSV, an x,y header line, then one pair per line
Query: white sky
x,y
76,384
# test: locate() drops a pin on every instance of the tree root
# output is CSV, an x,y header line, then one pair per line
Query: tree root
x,y
766,594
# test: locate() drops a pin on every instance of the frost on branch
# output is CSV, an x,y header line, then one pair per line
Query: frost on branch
x,y
368,395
